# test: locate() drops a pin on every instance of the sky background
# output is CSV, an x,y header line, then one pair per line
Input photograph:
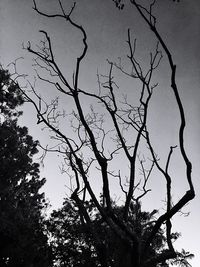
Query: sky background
x,y
106,28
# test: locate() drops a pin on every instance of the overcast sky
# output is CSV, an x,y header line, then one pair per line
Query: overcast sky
x,y
106,28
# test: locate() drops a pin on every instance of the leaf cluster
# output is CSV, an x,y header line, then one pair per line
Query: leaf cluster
x,y
23,240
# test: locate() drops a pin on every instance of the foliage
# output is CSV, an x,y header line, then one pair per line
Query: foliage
x,y
70,242
10,95
23,241
73,245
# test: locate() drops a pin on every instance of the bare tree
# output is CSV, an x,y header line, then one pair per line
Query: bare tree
x,y
118,134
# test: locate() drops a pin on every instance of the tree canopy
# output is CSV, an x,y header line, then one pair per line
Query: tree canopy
x,y
74,245
22,232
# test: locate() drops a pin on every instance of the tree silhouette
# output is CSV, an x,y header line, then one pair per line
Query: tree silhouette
x,y
23,242
73,244
96,144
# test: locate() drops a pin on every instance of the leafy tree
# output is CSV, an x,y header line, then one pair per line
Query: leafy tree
x,y
10,96
112,130
73,244
23,240
70,240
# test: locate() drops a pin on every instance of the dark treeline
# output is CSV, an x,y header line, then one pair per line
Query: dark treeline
x,y
22,229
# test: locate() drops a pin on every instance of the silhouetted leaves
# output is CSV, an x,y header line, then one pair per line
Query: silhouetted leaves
x,y
119,4
74,245
10,95
23,242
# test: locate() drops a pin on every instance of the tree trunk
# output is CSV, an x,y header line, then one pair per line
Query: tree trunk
x,y
127,256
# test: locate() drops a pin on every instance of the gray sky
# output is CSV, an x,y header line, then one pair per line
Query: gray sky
x,y
107,32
